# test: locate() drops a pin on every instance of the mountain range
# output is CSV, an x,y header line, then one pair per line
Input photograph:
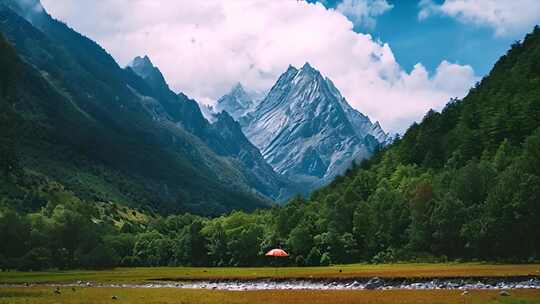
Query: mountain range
x,y
110,133
304,127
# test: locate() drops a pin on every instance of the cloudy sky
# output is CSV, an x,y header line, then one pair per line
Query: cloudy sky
x,y
392,60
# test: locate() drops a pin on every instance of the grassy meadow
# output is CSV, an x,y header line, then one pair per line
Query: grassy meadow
x,y
141,275
44,295
14,292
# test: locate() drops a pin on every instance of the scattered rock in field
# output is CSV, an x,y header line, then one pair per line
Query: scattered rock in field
x,y
374,283
504,293
465,286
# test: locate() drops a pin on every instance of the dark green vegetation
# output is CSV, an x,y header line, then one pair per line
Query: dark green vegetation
x,y
71,115
78,144
462,184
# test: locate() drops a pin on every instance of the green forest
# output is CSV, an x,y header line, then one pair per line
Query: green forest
x,y
81,126
464,184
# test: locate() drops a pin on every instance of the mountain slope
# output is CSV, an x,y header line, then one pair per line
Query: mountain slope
x,y
307,131
143,67
98,136
222,135
463,183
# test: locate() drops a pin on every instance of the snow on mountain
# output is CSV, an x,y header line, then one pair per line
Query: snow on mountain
x,y
237,102
219,131
306,130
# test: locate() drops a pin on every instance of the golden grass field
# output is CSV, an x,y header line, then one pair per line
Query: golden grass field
x,y
140,275
44,295
40,293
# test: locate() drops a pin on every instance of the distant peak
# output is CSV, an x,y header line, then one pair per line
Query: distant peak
x,y
307,66
291,68
236,102
236,92
310,70
238,87
141,61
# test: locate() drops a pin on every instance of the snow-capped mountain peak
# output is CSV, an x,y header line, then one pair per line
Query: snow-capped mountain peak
x,y
306,130
237,102
307,68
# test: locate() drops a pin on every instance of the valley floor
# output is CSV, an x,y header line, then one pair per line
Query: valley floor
x,y
98,286
45,295
144,275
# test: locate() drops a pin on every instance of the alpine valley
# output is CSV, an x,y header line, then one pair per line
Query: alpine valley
x,y
105,166
137,141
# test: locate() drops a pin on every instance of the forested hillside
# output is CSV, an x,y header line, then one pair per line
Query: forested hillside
x,y
86,124
463,184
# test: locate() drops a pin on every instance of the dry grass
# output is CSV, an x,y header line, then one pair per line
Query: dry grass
x,y
139,275
43,295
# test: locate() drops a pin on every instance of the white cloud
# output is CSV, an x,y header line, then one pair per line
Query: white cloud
x,y
363,12
204,47
506,17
